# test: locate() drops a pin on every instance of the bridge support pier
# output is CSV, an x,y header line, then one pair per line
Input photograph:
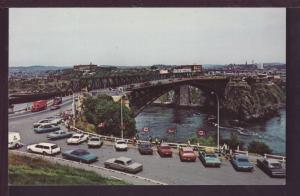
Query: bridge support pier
x,y
182,96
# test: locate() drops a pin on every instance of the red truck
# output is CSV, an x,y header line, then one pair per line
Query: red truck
x,y
39,105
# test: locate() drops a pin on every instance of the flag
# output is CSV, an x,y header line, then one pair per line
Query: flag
x,y
146,129
171,130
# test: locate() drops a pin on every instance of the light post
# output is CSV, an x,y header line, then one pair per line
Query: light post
x,y
73,110
218,121
122,117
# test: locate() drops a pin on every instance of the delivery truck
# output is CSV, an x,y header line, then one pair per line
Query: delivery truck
x,y
39,105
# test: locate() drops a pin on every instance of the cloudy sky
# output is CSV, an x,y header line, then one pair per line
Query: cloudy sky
x,y
145,36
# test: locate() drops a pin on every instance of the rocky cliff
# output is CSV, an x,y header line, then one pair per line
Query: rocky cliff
x,y
255,101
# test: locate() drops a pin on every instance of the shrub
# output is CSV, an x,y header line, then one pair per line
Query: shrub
x,y
259,148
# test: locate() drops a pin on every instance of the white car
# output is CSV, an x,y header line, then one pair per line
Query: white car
x,y
55,119
46,121
77,139
121,145
44,148
14,140
95,142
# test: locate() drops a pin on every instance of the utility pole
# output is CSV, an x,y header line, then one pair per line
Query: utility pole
x,y
218,121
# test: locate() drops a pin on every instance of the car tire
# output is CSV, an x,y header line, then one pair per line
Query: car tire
x,y
17,146
44,153
29,150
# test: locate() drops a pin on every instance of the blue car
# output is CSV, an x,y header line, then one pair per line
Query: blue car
x,y
80,155
45,128
241,163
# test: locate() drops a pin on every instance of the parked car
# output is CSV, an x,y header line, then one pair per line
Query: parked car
x,y
79,155
164,150
272,167
45,121
124,164
55,119
54,107
45,128
145,148
14,140
39,105
241,163
209,158
44,148
187,154
121,145
77,139
60,134
94,142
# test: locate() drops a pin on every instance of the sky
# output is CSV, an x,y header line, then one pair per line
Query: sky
x,y
146,36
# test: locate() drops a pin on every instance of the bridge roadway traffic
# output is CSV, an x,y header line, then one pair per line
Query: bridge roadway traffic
x,y
167,170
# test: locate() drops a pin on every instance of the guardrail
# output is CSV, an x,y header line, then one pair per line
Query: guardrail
x,y
51,158
130,141
271,156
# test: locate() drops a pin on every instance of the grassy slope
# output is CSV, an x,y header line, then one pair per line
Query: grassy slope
x,y
28,171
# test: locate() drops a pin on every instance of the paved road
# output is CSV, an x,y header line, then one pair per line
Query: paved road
x,y
167,170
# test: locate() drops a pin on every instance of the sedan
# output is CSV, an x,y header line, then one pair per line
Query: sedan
x,y
187,154
80,155
121,145
209,159
164,150
145,148
123,164
241,163
272,167
44,128
95,142
60,134
77,139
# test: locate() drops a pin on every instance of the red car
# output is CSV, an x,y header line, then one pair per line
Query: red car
x,y
164,150
187,154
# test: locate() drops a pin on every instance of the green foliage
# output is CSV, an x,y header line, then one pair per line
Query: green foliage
x,y
28,171
259,148
209,141
103,109
233,142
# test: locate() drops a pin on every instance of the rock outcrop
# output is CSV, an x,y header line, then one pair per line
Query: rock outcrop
x,y
256,101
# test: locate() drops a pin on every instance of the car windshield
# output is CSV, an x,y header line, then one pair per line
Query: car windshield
x,y
75,137
121,142
243,160
211,156
129,162
145,145
165,147
275,165
94,139
54,146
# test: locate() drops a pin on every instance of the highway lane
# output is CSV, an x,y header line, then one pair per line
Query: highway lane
x,y
167,170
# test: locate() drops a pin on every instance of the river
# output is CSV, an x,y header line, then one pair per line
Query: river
x,y
187,121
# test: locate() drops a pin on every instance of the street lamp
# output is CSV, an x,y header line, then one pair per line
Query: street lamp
x,y
218,117
122,117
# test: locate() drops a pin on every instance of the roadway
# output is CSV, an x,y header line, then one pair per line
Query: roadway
x,y
167,170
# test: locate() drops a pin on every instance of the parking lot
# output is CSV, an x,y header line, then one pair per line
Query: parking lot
x,y
168,170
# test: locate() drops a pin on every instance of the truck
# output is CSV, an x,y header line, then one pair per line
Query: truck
x,y
39,105
57,100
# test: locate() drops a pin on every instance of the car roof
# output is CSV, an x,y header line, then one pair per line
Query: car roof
x,y
187,149
272,160
80,150
77,134
125,159
46,144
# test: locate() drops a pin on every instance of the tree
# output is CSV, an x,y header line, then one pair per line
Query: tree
x,y
233,142
259,148
103,111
